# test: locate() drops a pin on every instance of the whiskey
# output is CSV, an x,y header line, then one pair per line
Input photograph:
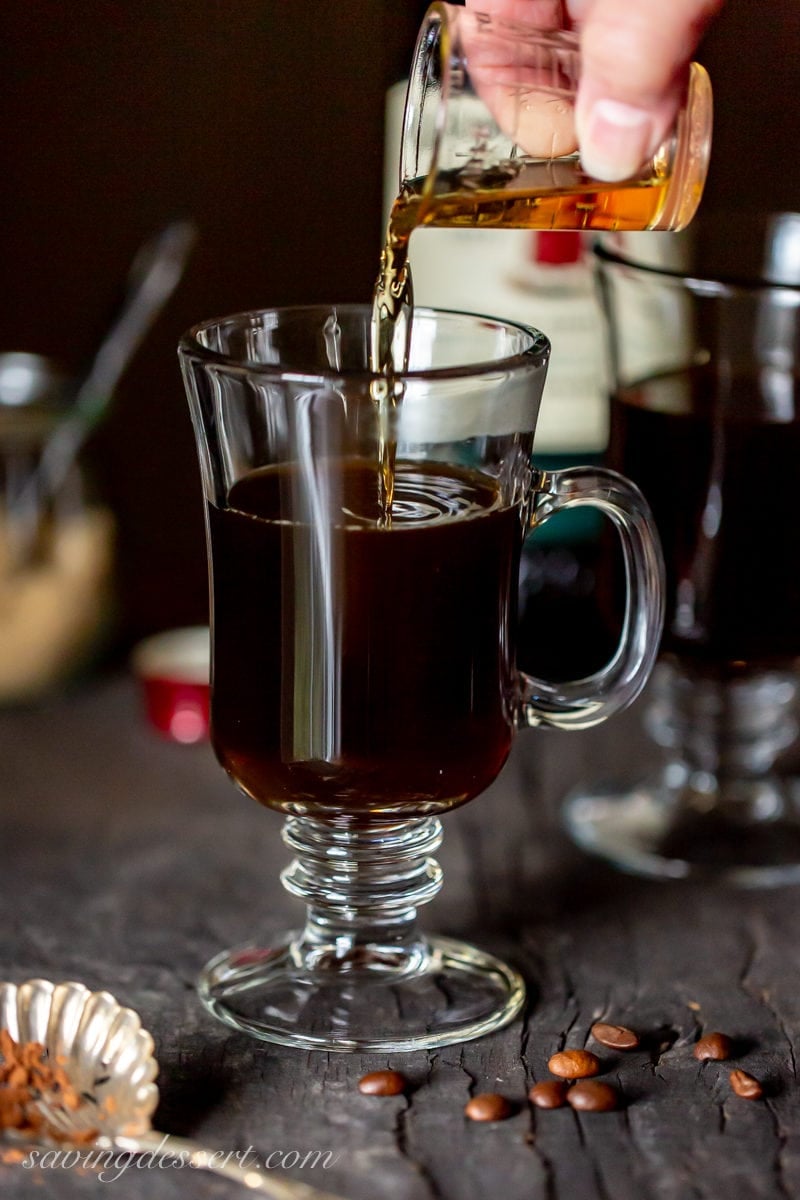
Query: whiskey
x,y
515,193
534,195
529,195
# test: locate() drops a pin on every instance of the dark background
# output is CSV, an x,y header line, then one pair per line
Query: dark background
x,y
263,119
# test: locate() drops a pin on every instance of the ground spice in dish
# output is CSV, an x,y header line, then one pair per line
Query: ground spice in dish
x,y
26,1077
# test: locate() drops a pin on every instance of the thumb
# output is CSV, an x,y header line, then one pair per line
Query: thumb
x,y
635,55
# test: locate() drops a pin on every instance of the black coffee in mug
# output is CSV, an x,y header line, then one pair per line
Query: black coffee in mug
x,y
361,667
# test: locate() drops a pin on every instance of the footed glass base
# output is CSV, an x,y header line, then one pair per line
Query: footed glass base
x,y
659,830
442,992
360,976
718,809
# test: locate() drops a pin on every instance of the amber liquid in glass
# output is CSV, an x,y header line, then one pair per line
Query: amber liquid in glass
x,y
547,195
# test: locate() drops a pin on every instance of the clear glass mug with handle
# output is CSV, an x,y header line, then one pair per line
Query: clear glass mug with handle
x,y
704,407
363,668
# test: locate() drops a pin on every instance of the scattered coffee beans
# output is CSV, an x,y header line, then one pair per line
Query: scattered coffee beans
x,y
488,1106
746,1086
617,1037
382,1083
574,1064
716,1046
550,1093
593,1096
587,1095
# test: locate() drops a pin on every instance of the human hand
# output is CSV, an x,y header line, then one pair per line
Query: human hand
x,y
635,55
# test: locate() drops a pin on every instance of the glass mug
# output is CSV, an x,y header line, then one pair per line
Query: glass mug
x,y
489,136
704,415
363,670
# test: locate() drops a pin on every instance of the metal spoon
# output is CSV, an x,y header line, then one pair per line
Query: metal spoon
x,y
108,1058
153,277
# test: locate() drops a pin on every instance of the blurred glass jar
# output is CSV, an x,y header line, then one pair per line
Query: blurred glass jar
x,y
56,550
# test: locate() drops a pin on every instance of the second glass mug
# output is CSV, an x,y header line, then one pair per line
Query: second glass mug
x,y
363,667
705,418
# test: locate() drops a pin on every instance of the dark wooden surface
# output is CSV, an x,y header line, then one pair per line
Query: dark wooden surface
x,y
126,862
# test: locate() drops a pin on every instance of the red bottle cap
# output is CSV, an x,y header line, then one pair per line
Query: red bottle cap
x,y
558,248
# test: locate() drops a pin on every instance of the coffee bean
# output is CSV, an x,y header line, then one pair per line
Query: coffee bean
x,y
488,1106
574,1064
593,1096
716,1046
550,1093
382,1083
746,1086
617,1037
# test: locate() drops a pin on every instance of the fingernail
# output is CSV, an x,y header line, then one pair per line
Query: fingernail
x,y
614,139
577,9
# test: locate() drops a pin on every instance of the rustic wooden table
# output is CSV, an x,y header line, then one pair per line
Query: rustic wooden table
x,y
127,862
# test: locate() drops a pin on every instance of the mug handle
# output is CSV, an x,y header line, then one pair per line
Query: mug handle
x,y
581,703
